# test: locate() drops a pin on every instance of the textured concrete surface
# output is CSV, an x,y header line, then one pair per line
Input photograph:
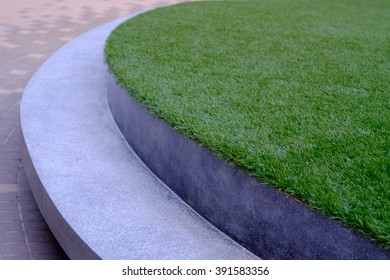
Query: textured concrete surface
x,y
30,31
99,198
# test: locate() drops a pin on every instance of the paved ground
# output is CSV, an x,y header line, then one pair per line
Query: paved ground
x,y
30,31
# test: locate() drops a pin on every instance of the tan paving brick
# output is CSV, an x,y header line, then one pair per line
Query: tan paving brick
x,y
4,91
24,32
42,32
18,72
39,42
7,188
8,45
35,55
65,29
65,39
50,26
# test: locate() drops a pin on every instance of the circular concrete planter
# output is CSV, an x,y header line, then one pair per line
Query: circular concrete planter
x,y
102,202
268,222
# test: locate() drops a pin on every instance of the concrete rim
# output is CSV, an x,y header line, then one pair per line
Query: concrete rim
x,y
97,197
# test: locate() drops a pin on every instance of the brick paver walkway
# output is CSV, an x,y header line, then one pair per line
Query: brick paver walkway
x,y
30,31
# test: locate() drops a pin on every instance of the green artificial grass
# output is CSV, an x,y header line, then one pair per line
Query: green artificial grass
x,y
297,93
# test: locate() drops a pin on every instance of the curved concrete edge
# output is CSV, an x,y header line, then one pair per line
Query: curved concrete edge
x,y
268,222
98,198
73,246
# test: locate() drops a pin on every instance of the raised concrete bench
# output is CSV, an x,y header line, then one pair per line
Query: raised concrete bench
x,y
99,199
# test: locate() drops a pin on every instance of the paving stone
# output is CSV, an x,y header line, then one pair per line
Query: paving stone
x,y
36,55
9,162
4,170
7,187
10,101
15,147
17,257
8,206
18,72
8,196
8,226
11,179
8,237
14,248
15,155
39,42
9,215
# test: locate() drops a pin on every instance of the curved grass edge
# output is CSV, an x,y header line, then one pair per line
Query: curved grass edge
x,y
177,125
267,222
